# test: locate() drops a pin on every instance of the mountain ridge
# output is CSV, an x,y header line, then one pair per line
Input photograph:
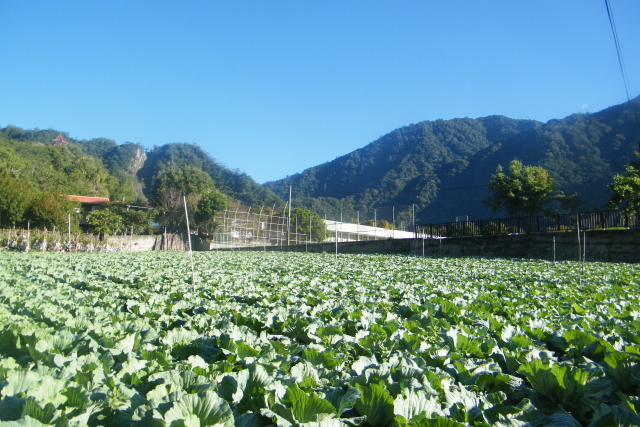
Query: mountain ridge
x,y
125,172
443,166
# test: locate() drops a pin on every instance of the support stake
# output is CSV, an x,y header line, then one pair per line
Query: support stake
x,y
193,274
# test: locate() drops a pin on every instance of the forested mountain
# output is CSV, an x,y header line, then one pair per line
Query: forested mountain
x,y
100,167
233,183
443,166
30,156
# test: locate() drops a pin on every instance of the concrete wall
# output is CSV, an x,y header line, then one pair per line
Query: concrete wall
x,y
606,246
169,241
135,243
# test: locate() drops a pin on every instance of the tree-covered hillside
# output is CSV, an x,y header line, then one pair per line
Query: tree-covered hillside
x,y
101,167
234,183
30,156
403,167
582,152
444,166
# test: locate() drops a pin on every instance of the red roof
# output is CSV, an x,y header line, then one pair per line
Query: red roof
x,y
59,140
90,200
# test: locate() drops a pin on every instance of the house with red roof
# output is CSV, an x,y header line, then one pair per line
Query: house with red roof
x,y
88,200
59,140
88,204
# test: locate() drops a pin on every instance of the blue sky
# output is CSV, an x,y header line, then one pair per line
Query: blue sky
x,y
274,87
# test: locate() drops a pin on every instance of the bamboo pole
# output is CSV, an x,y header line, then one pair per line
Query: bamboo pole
x,y
193,274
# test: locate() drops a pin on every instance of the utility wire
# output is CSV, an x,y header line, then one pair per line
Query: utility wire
x,y
399,192
622,69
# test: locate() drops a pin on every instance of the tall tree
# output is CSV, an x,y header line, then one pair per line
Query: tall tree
x,y
15,198
525,190
625,188
170,187
303,220
185,179
52,210
137,221
105,221
210,203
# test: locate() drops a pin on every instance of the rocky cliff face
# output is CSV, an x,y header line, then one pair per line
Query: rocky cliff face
x,y
137,162
139,158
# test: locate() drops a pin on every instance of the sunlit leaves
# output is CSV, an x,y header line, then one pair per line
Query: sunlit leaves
x,y
316,341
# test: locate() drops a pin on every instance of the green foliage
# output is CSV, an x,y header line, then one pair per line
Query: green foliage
x,y
492,229
123,163
125,173
526,190
295,339
172,186
440,165
376,404
464,229
62,169
121,189
205,409
187,179
233,183
300,220
625,189
105,221
97,147
308,408
401,167
209,204
568,204
52,210
137,221
15,199
381,223
433,164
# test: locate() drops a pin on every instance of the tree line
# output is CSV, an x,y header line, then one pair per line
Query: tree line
x,y
22,203
530,190
443,166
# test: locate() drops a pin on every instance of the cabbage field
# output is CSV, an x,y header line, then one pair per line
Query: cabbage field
x,y
316,340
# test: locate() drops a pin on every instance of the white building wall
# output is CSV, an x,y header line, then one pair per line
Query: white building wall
x,y
349,232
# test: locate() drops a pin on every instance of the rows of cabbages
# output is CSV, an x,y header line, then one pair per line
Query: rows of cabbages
x,y
316,340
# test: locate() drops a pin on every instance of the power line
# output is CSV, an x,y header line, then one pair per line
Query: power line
x,y
622,69
463,188
399,192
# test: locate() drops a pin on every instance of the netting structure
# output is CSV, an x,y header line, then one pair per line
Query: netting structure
x,y
401,217
243,227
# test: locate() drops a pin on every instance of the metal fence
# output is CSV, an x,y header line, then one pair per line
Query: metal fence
x,y
243,227
399,217
246,227
531,224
